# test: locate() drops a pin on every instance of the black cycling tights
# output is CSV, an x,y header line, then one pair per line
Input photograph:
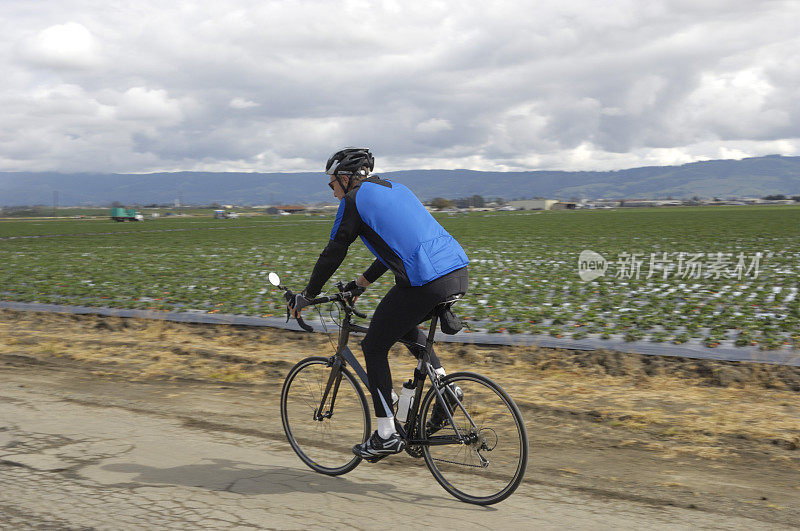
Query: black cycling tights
x,y
397,317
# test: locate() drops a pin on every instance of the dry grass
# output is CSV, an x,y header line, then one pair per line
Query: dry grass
x,y
671,410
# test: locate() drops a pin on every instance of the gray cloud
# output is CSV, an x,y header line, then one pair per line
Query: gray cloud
x,y
277,86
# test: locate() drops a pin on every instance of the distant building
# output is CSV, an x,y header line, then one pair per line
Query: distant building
x,y
602,203
564,205
640,203
777,202
533,204
292,209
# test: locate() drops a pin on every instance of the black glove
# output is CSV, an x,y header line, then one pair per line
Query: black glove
x,y
354,288
297,302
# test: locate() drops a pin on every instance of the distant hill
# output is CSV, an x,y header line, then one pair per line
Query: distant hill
x,y
751,177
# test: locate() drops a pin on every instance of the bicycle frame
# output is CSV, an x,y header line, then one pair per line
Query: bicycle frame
x,y
344,356
437,418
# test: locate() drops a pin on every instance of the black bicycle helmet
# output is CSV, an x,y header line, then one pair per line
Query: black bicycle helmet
x,y
349,161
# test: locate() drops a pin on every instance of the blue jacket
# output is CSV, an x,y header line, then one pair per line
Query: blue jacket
x,y
397,229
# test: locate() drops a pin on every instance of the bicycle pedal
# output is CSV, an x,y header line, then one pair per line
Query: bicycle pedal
x,y
374,459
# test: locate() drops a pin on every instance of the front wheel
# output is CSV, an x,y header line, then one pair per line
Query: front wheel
x,y
324,439
489,465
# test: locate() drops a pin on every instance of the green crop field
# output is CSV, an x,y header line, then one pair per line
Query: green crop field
x,y
720,274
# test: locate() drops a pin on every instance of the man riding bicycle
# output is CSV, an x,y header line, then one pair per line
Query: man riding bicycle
x,y
428,264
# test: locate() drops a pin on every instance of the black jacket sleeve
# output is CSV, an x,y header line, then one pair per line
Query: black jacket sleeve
x,y
345,230
375,270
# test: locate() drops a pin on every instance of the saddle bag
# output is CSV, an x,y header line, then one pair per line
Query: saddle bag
x,y
449,322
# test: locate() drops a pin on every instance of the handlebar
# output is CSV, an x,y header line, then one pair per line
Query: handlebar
x,y
288,294
344,298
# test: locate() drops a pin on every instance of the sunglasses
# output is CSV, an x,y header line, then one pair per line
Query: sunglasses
x,y
337,179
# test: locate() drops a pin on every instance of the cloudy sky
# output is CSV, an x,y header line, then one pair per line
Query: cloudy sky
x,y
277,85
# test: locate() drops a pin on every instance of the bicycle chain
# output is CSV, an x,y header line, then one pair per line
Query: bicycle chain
x,y
455,463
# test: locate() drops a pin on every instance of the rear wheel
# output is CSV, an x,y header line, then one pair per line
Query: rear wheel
x,y
489,466
324,445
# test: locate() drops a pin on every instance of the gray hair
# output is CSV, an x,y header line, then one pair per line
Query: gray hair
x,y
360,175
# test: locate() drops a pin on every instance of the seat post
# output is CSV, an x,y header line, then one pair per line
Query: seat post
x,y
432,332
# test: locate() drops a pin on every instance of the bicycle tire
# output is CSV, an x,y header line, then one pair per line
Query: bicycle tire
x,y
326,445
457,467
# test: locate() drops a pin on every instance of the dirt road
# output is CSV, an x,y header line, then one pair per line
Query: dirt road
x,y
108,423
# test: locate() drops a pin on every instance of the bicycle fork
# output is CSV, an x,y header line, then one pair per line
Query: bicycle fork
x,y
334,380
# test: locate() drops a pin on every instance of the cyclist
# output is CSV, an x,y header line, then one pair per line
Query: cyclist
x,y
428,264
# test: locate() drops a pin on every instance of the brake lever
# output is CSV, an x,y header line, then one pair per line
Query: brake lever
x,y
288,296
348,297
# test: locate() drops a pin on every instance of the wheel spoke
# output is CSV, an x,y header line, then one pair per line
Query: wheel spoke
x,y
324,445
494,474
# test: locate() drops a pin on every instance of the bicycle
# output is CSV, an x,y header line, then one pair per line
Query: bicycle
x,y
479,455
